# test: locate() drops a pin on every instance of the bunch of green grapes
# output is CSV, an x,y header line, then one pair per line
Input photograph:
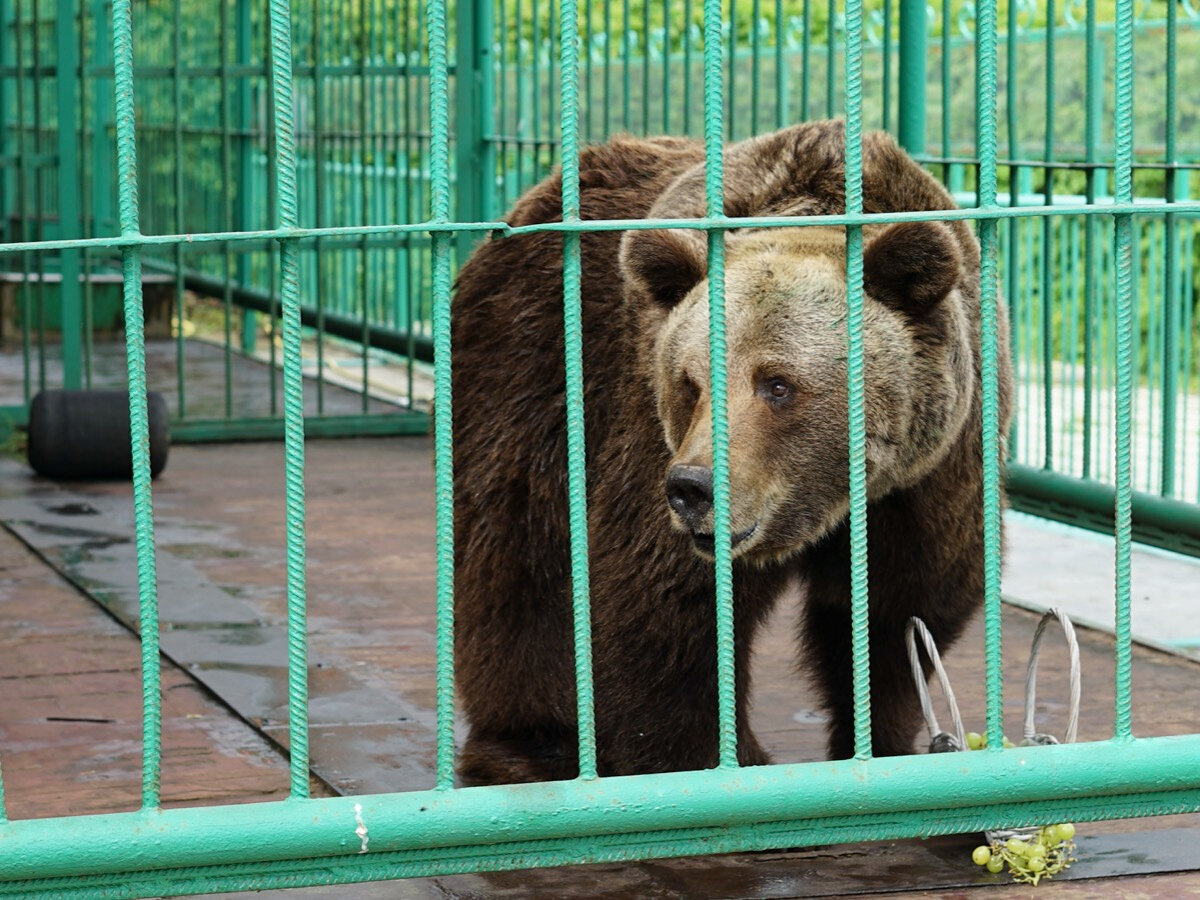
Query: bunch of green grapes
x,y
1030,861
977,741
1027,860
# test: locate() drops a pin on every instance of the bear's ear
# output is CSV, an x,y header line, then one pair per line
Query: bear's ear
x,y
912,266
667,263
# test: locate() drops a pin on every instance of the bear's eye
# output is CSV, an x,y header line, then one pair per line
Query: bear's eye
x,y
691,392
776,390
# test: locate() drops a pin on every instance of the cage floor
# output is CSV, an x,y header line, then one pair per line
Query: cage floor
x,y
247,386
70,726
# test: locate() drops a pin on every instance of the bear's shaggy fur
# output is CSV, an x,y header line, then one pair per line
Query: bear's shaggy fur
x,y
649,453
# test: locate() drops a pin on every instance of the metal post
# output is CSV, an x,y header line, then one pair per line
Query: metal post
x,y
67,98
244,116
1170,366
103,182
7,133
474,153
911,130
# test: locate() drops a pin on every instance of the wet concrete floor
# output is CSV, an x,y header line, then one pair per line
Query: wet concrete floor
x,y
69,727
216,384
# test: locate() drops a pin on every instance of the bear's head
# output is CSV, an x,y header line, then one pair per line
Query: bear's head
x,y
786,333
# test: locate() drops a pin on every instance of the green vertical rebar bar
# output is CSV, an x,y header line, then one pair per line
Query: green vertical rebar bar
x,y
380,183
475,159
947,168
587,55
1073,290
505,148
318,162
666,67
1146,235
293,393
573,335
912,87
401,300
886,65
424,198
39,198
244,108
1022,306
608,52
755,65
687,67
1104,359
1091,130
227,219
1047,286
646,66
1187,301
10,122
273,204
1013,258
781,83
626,65
177,153
439,168
855,387
830,45
83,186
1123,249
985,106
553,86
139,429
102,176
366,125
731,84
410,215
9,128
522,115
535,92
714,113
805,56
67,133
1170,372
22,191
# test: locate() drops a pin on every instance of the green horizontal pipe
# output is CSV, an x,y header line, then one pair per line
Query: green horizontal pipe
x,y
403,241
993,785
942,215
1139,208
595,849
1151,513
304,70
199,431
268,234
338,324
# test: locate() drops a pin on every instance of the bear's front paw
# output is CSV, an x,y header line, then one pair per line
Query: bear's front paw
x,y
512,760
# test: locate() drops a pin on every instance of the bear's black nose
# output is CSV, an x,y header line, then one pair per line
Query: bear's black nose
x,y
690,493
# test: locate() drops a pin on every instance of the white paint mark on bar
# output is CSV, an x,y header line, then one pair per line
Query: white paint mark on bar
x,y
361,830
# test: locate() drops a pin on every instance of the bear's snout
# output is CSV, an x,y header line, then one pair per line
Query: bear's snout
x,y
690,493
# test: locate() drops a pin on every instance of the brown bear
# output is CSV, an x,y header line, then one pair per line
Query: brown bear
x,y
649,452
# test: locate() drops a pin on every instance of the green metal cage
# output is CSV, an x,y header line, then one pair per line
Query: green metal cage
x,y
313,172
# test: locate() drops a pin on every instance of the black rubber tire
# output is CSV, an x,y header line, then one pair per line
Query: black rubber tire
x,y
85,434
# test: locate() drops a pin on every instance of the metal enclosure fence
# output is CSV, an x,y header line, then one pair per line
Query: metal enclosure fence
x,y
305,840
362,77
1055,133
